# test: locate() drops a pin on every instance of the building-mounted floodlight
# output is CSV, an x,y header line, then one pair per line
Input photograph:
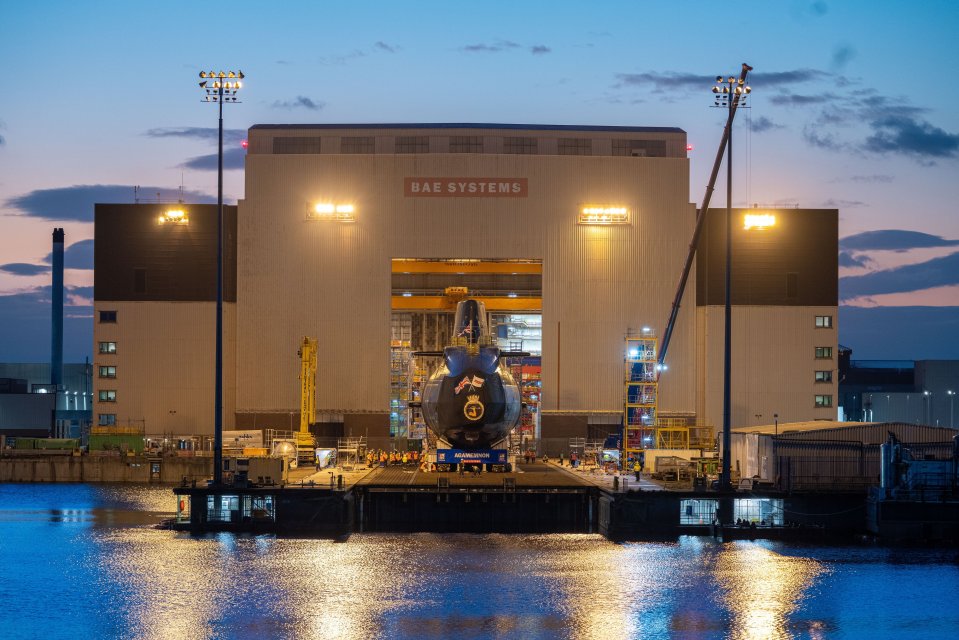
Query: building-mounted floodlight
x,y
758,221
174,216
337,212
603,214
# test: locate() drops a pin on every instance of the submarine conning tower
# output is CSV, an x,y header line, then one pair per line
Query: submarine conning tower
x,y
470,326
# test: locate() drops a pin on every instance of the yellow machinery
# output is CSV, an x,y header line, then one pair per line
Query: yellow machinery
x,y
304,439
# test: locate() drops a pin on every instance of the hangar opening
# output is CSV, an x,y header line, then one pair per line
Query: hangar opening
x,y
425,293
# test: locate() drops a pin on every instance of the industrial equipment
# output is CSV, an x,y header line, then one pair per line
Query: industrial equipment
x,y
701,216
305,445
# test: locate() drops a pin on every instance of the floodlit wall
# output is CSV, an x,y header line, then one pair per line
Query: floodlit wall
x,y
773,366
164,365
332,280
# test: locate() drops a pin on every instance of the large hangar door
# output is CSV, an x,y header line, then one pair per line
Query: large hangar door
x,y
424,297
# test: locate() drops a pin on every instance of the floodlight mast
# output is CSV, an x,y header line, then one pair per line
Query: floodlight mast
x,y
220,87
734,103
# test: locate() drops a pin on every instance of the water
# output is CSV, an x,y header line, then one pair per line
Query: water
x,y
82,561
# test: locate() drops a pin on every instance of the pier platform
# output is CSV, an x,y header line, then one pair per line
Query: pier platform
x,y
526,476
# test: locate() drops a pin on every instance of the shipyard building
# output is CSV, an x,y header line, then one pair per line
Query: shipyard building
x,y
365,236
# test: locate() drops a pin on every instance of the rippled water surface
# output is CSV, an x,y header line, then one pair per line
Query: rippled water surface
x,y
82,561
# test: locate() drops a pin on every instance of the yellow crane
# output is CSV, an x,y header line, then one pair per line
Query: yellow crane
x,y
304,439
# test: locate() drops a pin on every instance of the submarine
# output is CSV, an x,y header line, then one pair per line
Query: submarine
x,y
471,401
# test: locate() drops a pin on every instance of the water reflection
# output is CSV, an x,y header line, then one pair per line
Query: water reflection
x,y
762,588
131,581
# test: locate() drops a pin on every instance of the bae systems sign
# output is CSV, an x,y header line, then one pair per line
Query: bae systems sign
x,y
465,187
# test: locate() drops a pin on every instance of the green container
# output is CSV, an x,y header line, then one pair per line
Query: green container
x,y
116,442
56,443
25,443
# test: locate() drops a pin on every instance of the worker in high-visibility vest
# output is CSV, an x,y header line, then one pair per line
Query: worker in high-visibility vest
x,y
637,470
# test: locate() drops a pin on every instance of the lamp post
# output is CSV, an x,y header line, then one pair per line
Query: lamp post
x,y
730,93
928,395
220,87
776,419
952,397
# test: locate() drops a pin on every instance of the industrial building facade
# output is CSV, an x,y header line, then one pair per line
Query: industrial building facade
x,y
346,231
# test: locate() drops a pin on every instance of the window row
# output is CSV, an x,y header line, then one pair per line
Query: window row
x,y
470,144
824,322
108,347
108,317
106,419
823,353
107,371
107,395
823,400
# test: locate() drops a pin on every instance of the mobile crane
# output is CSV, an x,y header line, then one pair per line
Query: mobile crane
x,y
733,102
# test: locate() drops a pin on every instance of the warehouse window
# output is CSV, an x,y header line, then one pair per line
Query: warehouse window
x,y
823,353
697,511
412,144
297,144
824,376
108,316
108,371
575,146
466,144
824,322
824,401
108,395
357,144
108,347
640,148
513,144
106,419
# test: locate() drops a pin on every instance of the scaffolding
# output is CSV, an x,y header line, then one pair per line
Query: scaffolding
x,y
418,372
349,452
641,381
400,353
526,374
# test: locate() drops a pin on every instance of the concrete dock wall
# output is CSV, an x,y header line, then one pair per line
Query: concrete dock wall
x,y
103,469
476,512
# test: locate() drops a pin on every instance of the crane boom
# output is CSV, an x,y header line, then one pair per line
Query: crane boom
x,y
304,439
700,218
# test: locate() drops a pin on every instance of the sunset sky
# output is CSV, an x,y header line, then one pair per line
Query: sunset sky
x,y
853,107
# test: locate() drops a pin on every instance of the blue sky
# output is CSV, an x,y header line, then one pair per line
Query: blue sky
x,y
854,107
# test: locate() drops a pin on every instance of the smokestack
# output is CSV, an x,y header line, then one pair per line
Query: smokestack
x,y
56,341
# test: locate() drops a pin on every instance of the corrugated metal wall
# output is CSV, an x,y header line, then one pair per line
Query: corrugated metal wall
x,y
332,280
876,433
27,411
840,459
